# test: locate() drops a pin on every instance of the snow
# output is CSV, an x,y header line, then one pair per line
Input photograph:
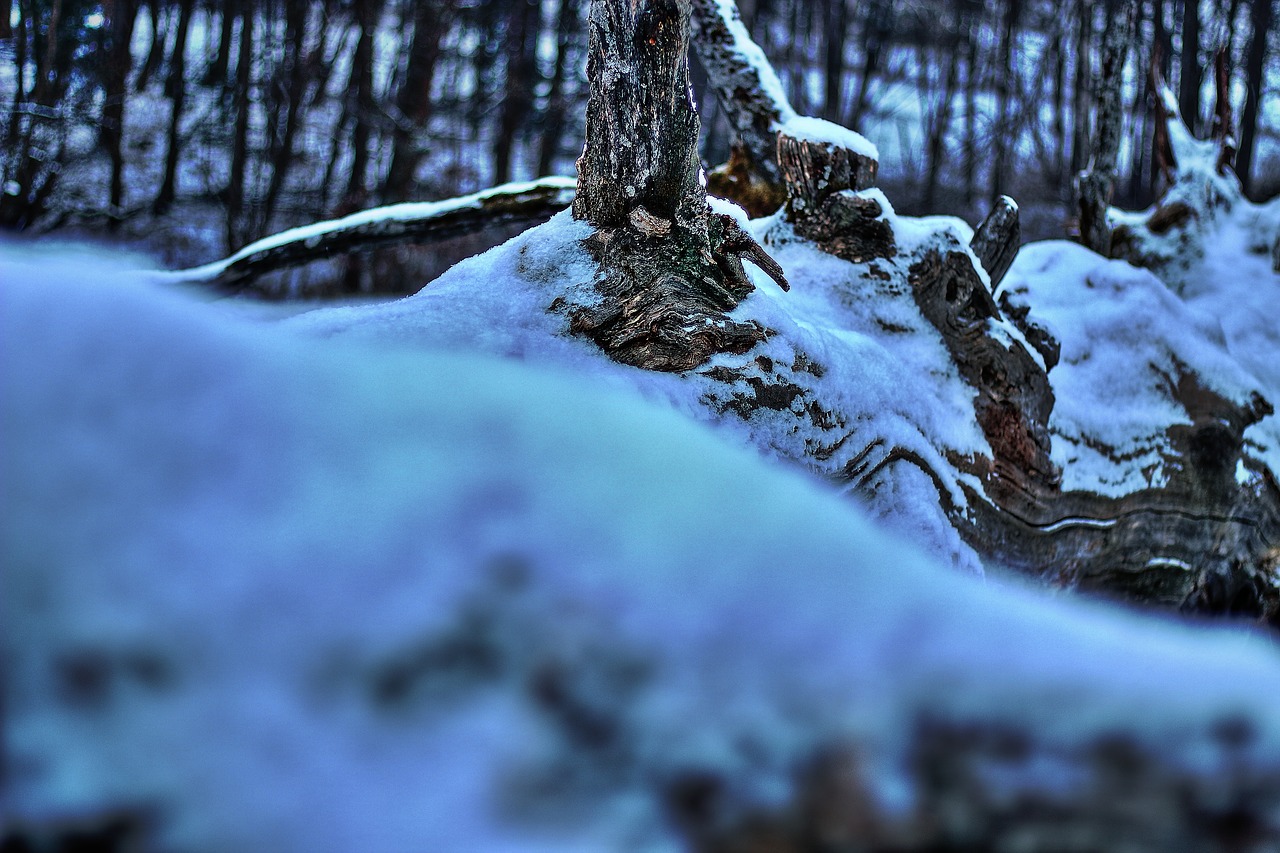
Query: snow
x,y
806,128
294,594
880,366
1127,340
788,121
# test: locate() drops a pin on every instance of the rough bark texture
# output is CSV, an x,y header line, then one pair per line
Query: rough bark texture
x,y
1201,543
670,270
754,106
997,239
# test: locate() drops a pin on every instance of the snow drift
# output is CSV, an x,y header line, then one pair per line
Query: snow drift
x,y
264,591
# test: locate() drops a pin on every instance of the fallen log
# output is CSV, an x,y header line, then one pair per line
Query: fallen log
x,y
516,203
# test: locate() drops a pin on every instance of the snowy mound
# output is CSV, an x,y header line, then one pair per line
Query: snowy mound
x,y
852,379
1135,356
268,592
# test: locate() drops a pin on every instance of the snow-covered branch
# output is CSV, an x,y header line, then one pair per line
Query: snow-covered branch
x,y
528,202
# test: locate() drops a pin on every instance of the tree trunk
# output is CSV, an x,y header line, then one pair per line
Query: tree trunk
x,y
155,54
6,19
1096,185
1002,162
521,69
554,117
1190,77
240,143
972,82
121,15
177,87
670,269
1260,17
431,23
293,86
361,105
219,73
940,126
877,31
835,21
1083,87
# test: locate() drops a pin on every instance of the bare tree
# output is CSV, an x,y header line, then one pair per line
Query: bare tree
x,y
1097,183
1261,16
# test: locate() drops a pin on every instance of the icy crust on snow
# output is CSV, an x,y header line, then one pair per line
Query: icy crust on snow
x,y
866,375
1126,341
294,595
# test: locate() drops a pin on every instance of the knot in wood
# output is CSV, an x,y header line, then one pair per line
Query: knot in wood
x,y
649,225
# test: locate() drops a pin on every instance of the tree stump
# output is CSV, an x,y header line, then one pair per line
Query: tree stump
x,y
670,268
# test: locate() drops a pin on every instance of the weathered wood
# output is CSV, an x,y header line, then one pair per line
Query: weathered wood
x,y
997,239
1013,398
751,95
745,84
529,203
670,269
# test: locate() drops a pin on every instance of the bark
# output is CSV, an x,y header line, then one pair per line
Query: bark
x,y
240,143
1189,82
219,72
940,126
521,69
1001,165
361,105
877,31
1224,126
997,239
1082,87
670,270
1096,185
293,85
835,22
379,228
972,82
748,90
155,54
120,18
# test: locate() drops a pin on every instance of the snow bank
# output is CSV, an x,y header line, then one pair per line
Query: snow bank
x,y
1127,341
278,593
878,371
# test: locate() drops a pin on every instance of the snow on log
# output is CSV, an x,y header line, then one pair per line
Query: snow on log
x,y
528,202
561,618
752,97
1202,199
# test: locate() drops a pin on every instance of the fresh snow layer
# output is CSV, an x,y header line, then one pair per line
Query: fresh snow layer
x,y
880,363
288,594
1127,340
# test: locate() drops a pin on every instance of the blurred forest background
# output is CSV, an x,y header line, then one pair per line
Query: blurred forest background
x,y
187,128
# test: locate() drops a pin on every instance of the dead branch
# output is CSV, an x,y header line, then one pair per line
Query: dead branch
x,y
378,227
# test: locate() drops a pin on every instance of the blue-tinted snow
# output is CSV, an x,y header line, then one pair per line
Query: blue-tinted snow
x,y
225,544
